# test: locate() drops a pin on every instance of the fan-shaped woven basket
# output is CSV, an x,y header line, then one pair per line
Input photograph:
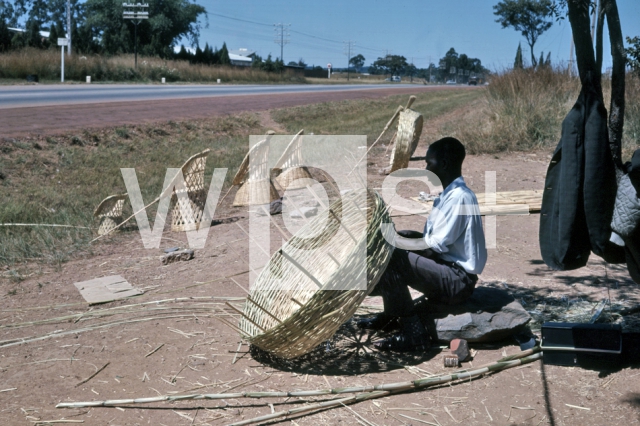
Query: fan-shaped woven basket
x,y
288,313
407,137
253,176
291,163
187,211
109,211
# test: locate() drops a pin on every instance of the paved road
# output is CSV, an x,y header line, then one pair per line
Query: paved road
x,y
30,96
36,110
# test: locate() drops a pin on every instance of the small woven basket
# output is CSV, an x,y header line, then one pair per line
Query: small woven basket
x,y
288,313
409,130
253,176
109,212
187,211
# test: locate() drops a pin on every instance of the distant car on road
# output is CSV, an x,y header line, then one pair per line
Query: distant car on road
x,y
451,82
473,81
395,78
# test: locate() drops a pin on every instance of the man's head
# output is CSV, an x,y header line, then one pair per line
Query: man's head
x,y
444,158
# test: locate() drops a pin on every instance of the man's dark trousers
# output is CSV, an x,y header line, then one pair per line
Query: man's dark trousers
x,y
439,281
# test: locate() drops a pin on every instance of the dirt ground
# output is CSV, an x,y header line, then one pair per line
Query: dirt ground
x,y
171,341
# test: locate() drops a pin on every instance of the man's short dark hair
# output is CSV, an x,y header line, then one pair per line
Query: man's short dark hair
x,y
450,149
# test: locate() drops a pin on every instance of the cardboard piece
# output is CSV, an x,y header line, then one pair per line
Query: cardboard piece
x,y
106,289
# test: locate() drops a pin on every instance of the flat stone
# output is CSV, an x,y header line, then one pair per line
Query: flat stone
x,y
490,314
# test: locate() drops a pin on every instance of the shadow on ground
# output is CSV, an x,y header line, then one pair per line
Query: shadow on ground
x,y
350,352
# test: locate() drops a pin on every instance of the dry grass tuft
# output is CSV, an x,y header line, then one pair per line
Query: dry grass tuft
x,y
522,110
46,63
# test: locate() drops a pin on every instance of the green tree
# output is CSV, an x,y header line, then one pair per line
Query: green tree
x,y
33,38
257,62
268,65
8,13
357,62
633,54
223,55
531,17
5,35
169,21
53,35
391,64
518,62
541,60
302,63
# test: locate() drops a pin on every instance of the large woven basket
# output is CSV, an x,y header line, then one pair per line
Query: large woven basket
x,y
187,211
109,212
288,313
406,139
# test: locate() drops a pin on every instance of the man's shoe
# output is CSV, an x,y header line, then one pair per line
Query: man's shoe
x,y
412,337
381,322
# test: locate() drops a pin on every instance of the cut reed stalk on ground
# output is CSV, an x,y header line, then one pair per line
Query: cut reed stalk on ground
x,y
504,363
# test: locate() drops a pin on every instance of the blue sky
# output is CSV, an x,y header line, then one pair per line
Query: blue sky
x,y
416,29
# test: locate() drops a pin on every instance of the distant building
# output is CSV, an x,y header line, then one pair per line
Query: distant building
x,y
242,57
243,52
239,60
43,34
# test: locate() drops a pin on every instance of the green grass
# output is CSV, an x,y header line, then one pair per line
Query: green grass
x,y
368,117
63,180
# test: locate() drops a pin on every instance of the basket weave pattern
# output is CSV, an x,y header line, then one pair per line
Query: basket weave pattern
x,y
409,130
257,187
109,211
308,314
292,162
187,211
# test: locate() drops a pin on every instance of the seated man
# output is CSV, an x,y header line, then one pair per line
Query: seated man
x,y
442,262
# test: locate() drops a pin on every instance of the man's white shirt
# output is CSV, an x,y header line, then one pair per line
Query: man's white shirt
x,y
454,228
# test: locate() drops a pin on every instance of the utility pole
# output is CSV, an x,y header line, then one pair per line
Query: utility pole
x,y
68,28
348,45
282,35
137,13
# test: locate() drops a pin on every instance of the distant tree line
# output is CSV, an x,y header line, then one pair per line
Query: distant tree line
x,y
97,26
448,67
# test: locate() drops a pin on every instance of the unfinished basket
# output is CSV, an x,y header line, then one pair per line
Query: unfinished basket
x,y
291,164
288,312
109,211
253,176
187,211
406,139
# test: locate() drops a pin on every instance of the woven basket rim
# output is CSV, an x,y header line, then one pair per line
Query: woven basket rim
x,y
342,303
289,149
116,197
403,147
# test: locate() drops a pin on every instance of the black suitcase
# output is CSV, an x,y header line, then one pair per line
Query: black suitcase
x,y
584,345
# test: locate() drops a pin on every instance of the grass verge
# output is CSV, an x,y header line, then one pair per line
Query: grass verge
x,y
522,110
46,64
61,179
